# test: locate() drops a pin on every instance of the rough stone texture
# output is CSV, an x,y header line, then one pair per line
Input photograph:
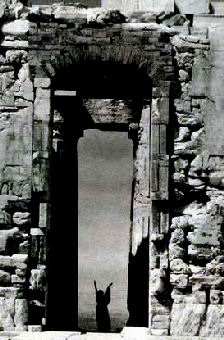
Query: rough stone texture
x,y
15,28
21,314
109,111
193,7
140,5
217,7
215,145
214,321
187,319
156,6
177,131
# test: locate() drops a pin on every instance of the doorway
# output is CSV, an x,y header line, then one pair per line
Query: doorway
x,y
105,167
119,117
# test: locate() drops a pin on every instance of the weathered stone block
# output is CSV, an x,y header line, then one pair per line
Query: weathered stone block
x,y
197,251
201,77
205,21
159,332
200,296
204,238
179,222
19,261
5,218
5,261
156,6
42,109
21,218
36,232
68,13
5,236
21,313
176,252
4,276
20,272
214,322
37,279
177,237
43,93
135,331
217,7
43,215
42,82
193,7
27,89
157,285
9,292
15,44
188,43
161,321
6,312
160,110
16,27
186,319
178,266
216,297
179,280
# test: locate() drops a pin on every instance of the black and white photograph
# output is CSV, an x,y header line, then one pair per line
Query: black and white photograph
x,y
111,169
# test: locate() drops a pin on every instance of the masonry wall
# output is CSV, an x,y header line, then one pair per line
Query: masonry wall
x,y
183,59
155,6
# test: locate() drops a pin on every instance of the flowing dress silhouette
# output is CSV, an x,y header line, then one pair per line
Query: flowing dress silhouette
x,y
102,313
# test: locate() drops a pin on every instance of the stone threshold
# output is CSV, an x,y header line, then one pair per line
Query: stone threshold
x,y
128,333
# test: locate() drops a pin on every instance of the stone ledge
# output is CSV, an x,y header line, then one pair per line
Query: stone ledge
x,y
128,333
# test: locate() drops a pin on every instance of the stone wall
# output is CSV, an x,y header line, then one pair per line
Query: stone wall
x,y
178,196
155,6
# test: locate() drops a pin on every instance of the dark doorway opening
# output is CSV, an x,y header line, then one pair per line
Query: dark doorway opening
x,y
105,180
128,87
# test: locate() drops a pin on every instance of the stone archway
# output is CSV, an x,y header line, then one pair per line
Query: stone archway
x,y
122,113
148,129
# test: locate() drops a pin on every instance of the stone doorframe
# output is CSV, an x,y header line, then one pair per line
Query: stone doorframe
x,y
151,189
151,54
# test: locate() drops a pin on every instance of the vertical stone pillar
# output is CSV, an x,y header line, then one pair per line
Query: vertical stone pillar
x,y
159,312
21,314
42,137
139,243
141,188
41,196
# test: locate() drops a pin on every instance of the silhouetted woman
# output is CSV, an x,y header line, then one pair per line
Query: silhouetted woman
x,y
102,314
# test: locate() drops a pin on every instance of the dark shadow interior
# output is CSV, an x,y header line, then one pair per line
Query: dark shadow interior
x,y
138,286
105,80
63,254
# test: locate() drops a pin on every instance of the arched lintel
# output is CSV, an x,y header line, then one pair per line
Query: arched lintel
x,y
95,55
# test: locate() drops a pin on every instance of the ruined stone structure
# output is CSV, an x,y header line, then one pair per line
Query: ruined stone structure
x,y
164,60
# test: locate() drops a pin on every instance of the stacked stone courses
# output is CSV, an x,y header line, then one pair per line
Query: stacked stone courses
x,y
178,197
